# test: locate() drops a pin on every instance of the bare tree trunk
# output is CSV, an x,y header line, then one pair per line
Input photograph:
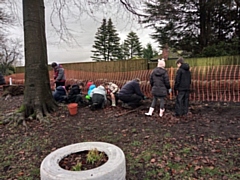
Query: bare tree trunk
x,y
38,99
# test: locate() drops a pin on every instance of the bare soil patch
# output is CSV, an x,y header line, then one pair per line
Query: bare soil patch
x,y
203,145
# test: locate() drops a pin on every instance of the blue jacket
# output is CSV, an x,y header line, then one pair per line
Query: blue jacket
x,y
59,94
93,86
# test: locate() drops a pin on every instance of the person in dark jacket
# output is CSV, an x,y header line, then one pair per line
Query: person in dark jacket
x,y
130,94
75,94
2,80
160,84
59,75
182,87
60,94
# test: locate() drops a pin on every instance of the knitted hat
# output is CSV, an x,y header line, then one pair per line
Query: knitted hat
x,y
161,63
180,60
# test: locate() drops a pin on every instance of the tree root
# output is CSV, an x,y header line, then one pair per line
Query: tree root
x,y
14,118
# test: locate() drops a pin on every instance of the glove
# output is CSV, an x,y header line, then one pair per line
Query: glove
x,y
170,90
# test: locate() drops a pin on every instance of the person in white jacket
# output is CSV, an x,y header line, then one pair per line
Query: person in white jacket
x,y
99,98
112,90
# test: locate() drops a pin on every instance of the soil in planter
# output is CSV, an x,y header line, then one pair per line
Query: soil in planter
x,y
78,161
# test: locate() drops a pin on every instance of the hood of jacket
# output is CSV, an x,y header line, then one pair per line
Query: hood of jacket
x,y
101,88
159,71
185,66
92,87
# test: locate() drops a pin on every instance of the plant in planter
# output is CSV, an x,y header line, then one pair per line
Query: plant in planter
x,y
84,160
114,166
77,167
94,156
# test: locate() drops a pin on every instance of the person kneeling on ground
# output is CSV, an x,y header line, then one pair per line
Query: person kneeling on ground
x,y
60,94
99,98
75,94
130,94
112,90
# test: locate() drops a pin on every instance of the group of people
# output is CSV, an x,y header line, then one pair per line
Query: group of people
x,y
130,94
160,85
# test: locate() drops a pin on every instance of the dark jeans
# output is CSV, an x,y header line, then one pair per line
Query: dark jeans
x,y
98,100
154,101
131,100
182,103
79,99
76,98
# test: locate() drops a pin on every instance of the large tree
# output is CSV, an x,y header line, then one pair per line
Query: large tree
x,y
106,46
194,25
149,52
113,41
132,45
38,98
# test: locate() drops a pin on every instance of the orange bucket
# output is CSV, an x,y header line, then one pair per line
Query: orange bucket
x,y
73,107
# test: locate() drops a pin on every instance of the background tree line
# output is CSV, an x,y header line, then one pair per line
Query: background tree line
x,y
10,49
198,28
107,46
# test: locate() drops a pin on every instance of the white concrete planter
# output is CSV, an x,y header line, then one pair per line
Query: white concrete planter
x,y
113,169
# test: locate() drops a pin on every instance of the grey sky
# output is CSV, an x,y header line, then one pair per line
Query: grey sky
x,y
83,32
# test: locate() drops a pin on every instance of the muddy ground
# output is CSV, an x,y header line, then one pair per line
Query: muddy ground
x,y
203,145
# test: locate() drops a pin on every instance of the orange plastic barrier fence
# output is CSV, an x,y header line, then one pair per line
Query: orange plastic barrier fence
x,y
209,83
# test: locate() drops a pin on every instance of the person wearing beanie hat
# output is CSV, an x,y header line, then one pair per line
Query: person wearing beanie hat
x,y
161,63
182,87
160,85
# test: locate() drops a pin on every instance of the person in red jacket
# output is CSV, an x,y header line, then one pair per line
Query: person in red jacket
x,y
89,83
59,75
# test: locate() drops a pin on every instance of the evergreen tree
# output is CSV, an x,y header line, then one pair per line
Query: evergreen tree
x,y
121,52
100,46
107,43
193,25
149,52
113,42
132,46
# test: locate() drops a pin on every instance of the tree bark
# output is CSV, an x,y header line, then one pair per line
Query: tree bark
x,y
38,97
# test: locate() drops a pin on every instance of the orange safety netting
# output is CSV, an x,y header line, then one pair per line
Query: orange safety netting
x,y
209,83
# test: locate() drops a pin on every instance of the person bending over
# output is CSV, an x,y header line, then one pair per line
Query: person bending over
x,y
130,94
112,90
98,97
75,94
